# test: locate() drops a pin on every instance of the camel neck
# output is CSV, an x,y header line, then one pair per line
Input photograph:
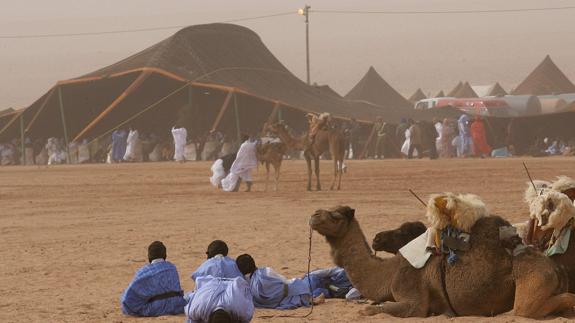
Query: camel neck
x,y
371,275
293,143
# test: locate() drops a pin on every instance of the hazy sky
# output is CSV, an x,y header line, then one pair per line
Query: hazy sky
x,y
409,51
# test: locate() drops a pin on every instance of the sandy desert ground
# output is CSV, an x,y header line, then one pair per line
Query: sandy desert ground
x,y
72,236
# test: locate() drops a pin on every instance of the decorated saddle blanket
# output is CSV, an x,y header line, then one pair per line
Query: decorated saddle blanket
x,y
416,251
561,243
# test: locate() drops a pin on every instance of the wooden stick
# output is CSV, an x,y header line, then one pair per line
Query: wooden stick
x,y
530,179
417,197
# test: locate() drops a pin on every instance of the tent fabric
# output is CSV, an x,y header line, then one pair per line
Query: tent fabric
x,y
465,91
497,90
455,90
327,90
440,94
545,79
374,89
417,95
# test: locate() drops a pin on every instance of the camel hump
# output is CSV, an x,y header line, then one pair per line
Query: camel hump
x,y
486,229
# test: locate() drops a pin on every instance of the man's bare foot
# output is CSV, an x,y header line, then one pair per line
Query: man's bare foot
x,y
319,300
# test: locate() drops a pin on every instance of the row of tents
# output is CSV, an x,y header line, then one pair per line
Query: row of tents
x,y
221,77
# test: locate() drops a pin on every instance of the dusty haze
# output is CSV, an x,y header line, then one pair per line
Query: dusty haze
x,y
428,51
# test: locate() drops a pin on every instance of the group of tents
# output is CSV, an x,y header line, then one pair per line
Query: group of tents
x,y
221,77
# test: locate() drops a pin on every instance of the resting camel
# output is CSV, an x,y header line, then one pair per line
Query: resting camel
x,y
271,153
484,282
552,216
392,240
332,140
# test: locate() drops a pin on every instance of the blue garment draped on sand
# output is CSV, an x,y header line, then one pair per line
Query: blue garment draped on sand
x,y
218,266
212,293
271,290
119,144
332,282
151,281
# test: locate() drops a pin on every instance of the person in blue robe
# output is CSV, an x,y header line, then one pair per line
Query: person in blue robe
x,y
271,290
465,148
218,263
220,300
119,144
332,283
155,289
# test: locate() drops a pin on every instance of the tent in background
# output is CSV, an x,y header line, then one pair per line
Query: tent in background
x,y
417,95
545,79
374,89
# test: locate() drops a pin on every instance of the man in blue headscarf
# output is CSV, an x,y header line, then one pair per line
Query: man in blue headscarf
x,y
218,263
155,289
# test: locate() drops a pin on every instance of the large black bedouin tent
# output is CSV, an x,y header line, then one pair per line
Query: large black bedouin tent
x,y
214,76
372,88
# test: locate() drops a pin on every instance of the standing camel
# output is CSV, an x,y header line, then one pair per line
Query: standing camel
x,y
271,153
332,140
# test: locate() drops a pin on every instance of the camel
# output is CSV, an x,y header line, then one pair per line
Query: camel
x,y
552,219
392,240
484,282
271,153
332,140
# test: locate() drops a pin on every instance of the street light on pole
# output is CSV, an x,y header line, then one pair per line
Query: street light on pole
x,y
305,12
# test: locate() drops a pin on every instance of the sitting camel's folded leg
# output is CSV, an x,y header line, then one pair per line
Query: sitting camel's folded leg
x,y
557,304
397,309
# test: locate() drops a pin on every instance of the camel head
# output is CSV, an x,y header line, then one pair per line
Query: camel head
x,y
531,193
393,240
332,223
552,211
276,127
460,211
565,185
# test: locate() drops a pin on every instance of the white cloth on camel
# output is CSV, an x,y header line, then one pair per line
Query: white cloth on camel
x,y
132,141
415,252
242,167
180,138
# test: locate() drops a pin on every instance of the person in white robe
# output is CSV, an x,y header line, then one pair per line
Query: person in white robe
x,y
56,155
241,169
132,142
217,299
180,135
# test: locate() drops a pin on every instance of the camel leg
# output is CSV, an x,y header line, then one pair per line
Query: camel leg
x,y
308,161
554,304
277,167
397,309
340,174
267,175
335,171
316,163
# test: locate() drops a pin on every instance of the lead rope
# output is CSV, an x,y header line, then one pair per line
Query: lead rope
x,y
308,281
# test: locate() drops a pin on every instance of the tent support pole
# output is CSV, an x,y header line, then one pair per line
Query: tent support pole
x,y
22,147
368,142
237,116
62,115
222,111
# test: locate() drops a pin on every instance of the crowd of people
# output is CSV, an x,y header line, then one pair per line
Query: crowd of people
x,y
466,136
226,290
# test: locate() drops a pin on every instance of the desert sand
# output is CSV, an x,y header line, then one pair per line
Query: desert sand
x,y
73,236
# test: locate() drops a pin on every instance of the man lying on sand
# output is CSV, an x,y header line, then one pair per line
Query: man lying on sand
x,y
155,289
218,263
332,283
220,300
271,290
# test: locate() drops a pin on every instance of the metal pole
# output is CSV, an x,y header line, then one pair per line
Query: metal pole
x,y
306,14
280,114
64,124
23,148
239,134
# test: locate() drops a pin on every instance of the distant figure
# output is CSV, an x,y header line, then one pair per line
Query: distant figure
x,y
56,153
415,140
465,146
180,135
447,136
221,168
119,144
155,289
401,129
220,300
242,167
480,146
132,141
218,263
271,290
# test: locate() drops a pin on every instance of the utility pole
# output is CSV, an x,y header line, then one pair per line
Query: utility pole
x,y
305,12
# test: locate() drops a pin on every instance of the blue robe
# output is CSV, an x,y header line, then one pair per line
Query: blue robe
x,y
218,266
332,282
212,293
153,280
119,144
271,290
465,147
